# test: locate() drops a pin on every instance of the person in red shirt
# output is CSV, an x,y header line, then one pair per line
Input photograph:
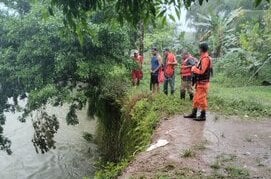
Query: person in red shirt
x,y
186,74
137,73
202,76
169,65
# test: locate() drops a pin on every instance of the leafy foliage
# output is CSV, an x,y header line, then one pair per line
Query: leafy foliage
x,y
49,64
20,6
45,128
159,36
141,114
238,38
219,29
128,10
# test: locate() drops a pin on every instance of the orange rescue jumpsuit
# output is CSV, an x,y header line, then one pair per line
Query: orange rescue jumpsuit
x,y
200,96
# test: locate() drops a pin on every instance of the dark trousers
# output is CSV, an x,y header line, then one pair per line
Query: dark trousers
x,y
169,81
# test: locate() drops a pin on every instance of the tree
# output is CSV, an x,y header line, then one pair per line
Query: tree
x,y
216,6
128,10
48,62
219,27
21,6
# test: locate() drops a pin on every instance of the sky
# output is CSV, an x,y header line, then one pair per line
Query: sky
x,y
182,22
4,8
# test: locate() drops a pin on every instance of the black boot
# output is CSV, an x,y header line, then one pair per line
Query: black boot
x,y
191,96
202,116
182,94
193,114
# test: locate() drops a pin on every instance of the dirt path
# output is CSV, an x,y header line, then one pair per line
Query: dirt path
x,y
225,148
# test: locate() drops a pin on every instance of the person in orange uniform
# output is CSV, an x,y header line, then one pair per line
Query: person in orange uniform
x,y
137,73
169,65
202,73
186,74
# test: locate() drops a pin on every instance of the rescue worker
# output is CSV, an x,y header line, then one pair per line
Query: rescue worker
x,y
156,62
169,65
137,73
186,74
202,74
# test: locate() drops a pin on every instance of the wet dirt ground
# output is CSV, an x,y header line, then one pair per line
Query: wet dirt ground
x,y
220,147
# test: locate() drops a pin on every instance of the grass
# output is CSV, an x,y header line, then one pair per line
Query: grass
x,y
223,168
251,101
236,172
187,153
248,139
226,158
184,173
215,165
142,117
142,113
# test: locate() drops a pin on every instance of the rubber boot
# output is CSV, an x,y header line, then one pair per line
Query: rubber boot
x,y
202,116
182,94
193,114
191,96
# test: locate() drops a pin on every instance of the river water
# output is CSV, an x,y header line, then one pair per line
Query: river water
x,y
73,157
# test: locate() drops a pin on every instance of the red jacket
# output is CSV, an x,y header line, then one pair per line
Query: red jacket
x,y
170,65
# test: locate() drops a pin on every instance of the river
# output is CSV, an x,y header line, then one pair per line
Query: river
x,y
73,157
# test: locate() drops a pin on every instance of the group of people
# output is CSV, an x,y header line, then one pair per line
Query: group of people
x,y
194,73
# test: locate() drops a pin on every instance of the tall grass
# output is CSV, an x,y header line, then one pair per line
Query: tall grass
x,y
141,112
252,101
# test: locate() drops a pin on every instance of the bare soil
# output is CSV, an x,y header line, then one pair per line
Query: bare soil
x,y
217,148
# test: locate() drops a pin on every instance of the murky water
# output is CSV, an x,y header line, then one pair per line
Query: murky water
x,y
73,157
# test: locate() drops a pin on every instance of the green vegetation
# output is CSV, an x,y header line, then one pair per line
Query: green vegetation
x,y
46,62
188,153
223,164
200,146
236,172
141,114
215,165
251,101
77,52
88,137
125,9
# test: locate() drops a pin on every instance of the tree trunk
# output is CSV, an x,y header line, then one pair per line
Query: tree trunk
x,y
141,37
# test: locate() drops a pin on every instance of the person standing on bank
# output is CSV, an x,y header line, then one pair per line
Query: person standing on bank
x,y
137,73
169,70
202,76
186,74
156,62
